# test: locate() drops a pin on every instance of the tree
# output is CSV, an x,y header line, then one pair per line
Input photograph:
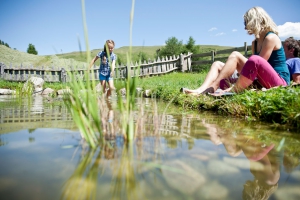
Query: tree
x,y
31,49
191,47
4,43
142,56
173,47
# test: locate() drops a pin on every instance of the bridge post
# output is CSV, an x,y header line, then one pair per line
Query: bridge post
x,y
189,61
212,56
63,75
183,63
2,67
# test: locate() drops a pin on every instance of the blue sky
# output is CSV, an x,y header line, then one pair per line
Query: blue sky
x,y
56,26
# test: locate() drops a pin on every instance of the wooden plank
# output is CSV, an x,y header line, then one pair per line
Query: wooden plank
x,y
201,62
221,58
201,55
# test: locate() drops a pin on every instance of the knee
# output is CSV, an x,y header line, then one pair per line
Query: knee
x,y
235,54
218,65
253,60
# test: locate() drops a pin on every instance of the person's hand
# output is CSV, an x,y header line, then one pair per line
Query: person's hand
x,y
112,74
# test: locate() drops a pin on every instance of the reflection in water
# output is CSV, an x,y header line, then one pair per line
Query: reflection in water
x,y
264,160
33,113
2,143
174,156
115,157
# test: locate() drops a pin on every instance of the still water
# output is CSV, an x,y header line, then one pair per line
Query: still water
x,y
175,155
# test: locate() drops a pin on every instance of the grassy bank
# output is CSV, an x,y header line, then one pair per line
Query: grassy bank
x,y
279,106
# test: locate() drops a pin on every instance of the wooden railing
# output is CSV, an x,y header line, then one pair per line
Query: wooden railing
x,y
56,74
210,57
165,65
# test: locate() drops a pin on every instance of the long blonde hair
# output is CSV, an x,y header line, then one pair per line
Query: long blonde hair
x,y
257,20
107,43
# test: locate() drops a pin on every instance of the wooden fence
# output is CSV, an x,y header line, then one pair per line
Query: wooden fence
x,y
210,57
56,74
160,66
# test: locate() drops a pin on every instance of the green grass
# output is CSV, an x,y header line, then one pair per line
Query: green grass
x,y
280,106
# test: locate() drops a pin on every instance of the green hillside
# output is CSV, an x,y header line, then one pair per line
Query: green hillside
x,y
13,57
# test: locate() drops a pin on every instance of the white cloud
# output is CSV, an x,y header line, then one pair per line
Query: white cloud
x,y
219,34
212,29
234,30
289,29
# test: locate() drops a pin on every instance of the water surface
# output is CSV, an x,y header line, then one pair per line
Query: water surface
x,y
175,155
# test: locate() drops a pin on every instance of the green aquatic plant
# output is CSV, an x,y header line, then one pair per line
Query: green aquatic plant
x,y
83,100
86,104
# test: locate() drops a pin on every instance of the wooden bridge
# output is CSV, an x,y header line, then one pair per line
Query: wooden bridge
x,y
184,63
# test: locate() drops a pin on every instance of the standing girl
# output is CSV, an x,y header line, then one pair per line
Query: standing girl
x,y
106,60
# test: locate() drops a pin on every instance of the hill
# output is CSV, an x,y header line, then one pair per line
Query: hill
x,y
13,57
16,58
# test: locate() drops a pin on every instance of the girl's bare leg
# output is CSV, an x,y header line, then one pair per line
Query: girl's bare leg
x,y
111,87
103,84
211,76
236,61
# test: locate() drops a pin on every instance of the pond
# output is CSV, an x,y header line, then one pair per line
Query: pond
x,y
176,155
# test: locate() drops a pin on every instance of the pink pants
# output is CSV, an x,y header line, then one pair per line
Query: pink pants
x,y
258,67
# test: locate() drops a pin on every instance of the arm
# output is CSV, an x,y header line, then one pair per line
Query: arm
x,y
93,61
270,43
296,78
113,66
252,47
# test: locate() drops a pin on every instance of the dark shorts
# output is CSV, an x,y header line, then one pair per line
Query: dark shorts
x,y
105,78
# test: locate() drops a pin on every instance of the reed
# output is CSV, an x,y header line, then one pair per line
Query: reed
x,y
86,104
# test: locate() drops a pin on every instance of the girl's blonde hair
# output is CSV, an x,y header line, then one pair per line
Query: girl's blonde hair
x,y
107,43
257,20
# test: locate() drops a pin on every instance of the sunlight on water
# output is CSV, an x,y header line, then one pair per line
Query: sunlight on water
x,y
175,155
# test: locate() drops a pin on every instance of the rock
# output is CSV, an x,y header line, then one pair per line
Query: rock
x,y
7,91
213,190
183,177
241,163
36,82
288,192
220,168
147,93
139,90
47,91
122,92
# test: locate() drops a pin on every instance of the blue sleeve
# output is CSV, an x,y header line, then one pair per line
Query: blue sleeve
x,y
294,66
113,57
100,54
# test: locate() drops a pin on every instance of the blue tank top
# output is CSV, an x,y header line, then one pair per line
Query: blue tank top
x,y
278,61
